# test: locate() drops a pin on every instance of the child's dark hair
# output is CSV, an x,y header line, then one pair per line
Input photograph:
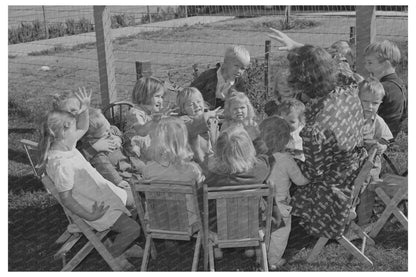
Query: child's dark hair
x,y
144,89
275,132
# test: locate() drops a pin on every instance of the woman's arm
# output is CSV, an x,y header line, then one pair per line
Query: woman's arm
x,y
71,204
281,37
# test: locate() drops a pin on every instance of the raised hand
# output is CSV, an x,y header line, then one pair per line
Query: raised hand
x,y
84,98
105,144
97,211
281,37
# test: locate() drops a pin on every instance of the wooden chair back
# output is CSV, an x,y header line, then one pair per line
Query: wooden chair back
x,y
238,213
116,113
31,149
171,208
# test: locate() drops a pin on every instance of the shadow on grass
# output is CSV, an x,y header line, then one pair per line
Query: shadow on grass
x,y
18,156
26,183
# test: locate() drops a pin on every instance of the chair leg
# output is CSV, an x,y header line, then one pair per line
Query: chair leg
x,y
317,249
211,257
196,253
363,235
355,251
146,253
264,257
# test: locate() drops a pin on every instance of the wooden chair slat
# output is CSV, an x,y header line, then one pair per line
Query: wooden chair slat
x,y
234,221
243,210
222,219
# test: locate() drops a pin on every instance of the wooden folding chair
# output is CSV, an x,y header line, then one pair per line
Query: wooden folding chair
x,y
351,225
94,238
72,233
238,219
391,190
171,212
116,113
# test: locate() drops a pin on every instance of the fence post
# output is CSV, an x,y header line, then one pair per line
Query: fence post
x,y
148,14
352,35
143,69
44,23
267,61
287,16
105,55
365,23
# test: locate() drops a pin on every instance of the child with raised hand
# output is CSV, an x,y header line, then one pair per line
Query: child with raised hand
x,y
171,157
292,110
147,97
112,165
192,112
375,131
82,190
275,132
381,59
238,110
215,84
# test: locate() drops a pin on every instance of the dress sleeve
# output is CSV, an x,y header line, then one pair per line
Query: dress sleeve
x,y
63,176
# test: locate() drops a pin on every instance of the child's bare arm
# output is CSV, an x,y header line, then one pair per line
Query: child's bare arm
x,y
98,210
295,174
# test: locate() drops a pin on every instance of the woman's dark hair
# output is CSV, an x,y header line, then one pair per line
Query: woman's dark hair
x,y
312,70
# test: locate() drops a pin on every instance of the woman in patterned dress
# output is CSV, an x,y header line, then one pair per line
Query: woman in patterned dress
x,y
331,135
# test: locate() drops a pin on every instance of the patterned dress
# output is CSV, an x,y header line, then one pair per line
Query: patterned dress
x,y
331,135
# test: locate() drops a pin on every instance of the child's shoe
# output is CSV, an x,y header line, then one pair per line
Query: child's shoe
x,y
218,253
124,263
278,265
134,252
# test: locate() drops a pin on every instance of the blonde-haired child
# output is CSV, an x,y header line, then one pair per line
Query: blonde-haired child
x,y
375,132
293,111
238,110
381,59
215,84
235,163
112,165
171,157
275,132
147,97
82,190
192,112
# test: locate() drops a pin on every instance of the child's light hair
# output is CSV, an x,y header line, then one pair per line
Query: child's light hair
x,y
239,97
237,52
60,101
184,95
144,89
292,104
169,142
371,85
343,48
275,132
234,151
52,128
96,121
385,50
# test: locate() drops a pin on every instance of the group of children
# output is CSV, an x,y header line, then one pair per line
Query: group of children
x,y
158,146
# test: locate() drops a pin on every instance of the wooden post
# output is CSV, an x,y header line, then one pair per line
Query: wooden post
x,y
287,16
105,55
44,23
266,70
352,35
148,14
365,23
143,69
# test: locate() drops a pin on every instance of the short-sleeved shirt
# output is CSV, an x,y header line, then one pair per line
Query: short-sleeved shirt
x,y
70,171
376,128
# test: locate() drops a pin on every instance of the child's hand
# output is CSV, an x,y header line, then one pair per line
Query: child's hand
x,y
84,98
97,211
214,113
124,185
104,144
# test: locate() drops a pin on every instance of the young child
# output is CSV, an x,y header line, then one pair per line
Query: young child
x,y
147,97
192,112
112,165
238,110
215,84
275,132
292,111
375,131
171,157
381,59
235,163
281,91
82,190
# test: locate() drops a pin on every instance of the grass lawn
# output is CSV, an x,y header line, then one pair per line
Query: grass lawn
x,y
36,220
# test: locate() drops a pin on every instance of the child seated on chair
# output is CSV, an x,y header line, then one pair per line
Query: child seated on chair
x,y
293,111
82,190
112,165
275,132
235,163
215,84
381,59
147,97
192,112
238,110
171,157
375,132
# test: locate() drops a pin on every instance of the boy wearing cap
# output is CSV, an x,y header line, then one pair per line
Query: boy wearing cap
x,y
216,83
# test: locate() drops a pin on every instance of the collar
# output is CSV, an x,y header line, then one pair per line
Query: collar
x,y
221,79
